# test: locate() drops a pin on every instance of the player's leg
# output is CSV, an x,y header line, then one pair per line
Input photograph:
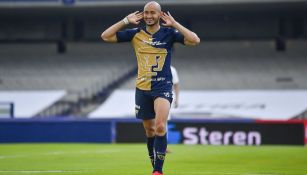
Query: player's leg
x,y
162,107
149,126
144,110
168,119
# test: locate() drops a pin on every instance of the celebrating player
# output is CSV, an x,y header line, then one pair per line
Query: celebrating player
x,y
153,47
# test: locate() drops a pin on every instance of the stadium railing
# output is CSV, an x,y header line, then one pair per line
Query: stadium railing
x,y
6,110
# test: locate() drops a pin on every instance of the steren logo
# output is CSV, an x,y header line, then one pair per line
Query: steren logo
x,y
155,43
193,135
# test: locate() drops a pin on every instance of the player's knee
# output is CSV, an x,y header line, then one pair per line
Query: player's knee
x,y
150,131
160,129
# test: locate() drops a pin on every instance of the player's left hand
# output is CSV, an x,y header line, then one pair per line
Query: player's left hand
x,y
169,21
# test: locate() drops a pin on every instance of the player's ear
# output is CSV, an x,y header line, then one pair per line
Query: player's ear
x,y
160,14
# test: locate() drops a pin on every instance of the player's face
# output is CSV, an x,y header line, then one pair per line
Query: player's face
x,y
151,15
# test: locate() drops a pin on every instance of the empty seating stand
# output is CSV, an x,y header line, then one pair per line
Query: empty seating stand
x,y
83,71
224,65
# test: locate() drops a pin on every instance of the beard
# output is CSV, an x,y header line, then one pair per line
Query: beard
x,y
153,23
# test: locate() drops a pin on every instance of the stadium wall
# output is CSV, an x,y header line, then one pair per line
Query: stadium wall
x,y
21,131
205,132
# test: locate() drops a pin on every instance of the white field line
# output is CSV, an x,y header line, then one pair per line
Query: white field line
x,y
204,173
58,153
216,173
40,171
261,174
78,171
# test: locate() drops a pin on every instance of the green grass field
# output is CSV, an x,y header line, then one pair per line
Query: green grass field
x,y
122,159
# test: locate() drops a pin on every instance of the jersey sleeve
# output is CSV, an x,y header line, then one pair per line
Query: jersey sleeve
x,y
126,35
178,37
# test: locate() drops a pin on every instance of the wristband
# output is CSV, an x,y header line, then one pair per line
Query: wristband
x,y
125,20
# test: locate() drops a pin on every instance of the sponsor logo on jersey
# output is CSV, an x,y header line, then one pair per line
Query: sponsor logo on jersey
x,y
154,43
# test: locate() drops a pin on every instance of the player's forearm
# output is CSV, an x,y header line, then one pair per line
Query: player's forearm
x,y
109,35
189,36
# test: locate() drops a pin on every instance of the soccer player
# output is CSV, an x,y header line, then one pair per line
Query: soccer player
x,y
153,47
175,86
175,94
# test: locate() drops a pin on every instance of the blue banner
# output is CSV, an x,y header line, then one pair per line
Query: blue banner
x,y
83,131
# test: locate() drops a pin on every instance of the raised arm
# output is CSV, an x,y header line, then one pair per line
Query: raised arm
x,y
109,35
190,38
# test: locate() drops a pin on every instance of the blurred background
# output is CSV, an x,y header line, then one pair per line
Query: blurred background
x,y
56,74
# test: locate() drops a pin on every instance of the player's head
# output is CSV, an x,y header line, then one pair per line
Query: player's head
x,y
152,13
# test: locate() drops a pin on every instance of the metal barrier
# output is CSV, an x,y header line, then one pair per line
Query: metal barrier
x,y
7,110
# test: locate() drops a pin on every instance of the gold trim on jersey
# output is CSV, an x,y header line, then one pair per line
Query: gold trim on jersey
x,y
150,59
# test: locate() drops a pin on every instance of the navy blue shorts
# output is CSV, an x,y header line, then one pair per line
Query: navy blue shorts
x,y
144,102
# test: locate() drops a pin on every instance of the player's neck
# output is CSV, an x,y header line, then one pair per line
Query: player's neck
x,y
153,29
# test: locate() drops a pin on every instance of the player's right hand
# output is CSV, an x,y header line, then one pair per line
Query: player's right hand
x,y
135,17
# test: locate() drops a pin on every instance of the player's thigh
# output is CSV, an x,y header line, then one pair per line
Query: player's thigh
x,y
162,108
144,106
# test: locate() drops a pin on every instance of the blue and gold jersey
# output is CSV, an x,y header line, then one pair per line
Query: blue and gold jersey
x,y
153,53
